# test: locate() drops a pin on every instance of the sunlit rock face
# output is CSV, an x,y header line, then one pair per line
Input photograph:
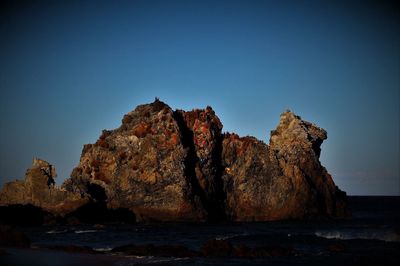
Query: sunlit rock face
x,y
38,189
141,167
282,180
165,165
296,144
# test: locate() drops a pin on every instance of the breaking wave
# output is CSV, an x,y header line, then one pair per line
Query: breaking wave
x,y
106,249
376,234
57,231
226,237
85,231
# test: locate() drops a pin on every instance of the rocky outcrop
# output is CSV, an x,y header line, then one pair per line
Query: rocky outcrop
x,y
165,165
296,144
283,179
38,189
11,237
140,166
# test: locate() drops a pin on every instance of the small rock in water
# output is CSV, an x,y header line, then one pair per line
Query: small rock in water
x,y
11,237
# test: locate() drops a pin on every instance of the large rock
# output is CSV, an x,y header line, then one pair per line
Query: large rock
x,y
39,189
11,237
165,165
282,180
140,166
296,144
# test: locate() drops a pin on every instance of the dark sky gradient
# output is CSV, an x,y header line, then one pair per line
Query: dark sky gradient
x,y
69,69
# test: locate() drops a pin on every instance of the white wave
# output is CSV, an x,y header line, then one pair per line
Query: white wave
x,y
370,234
85,231
138,257
230,236
56,231
106,249
164,260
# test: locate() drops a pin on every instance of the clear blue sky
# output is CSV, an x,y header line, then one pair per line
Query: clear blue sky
x,y
69,69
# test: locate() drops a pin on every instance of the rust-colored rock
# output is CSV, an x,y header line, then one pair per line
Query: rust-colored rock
x,y
165,165
140,166
202,137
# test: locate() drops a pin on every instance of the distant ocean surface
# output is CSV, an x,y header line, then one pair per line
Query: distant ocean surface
x,y
370,237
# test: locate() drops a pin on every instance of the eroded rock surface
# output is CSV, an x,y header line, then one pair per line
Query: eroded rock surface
x,y
140,166
38,189
255,186
282,180
296,144
165,165
202,138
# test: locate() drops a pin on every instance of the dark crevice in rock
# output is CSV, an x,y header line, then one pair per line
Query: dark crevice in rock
x,y
220,193
97,192
191,158
214,210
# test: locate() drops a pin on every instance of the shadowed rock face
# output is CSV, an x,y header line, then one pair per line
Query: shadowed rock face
x,y
202,138
255,186
166,165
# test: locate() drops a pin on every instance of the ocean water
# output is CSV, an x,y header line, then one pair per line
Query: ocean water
x,y
370,237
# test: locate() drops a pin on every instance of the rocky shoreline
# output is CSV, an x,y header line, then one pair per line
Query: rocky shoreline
x,y
11,237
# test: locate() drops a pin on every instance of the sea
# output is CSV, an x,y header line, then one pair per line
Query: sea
x,y
370,237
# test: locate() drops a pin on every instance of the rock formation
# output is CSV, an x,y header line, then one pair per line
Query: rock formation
x,y
281,180
38,189
166,165
140,166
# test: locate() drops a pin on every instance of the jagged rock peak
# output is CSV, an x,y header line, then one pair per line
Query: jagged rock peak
x,y
292,130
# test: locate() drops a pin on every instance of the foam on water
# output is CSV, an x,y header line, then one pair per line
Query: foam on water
x,y
226,237
85,231
104,249
57,231
368,234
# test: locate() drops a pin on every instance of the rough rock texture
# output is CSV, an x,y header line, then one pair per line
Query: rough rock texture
x,y
202,137
38,189
165,165
255,187
140,166
282,180
296,144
